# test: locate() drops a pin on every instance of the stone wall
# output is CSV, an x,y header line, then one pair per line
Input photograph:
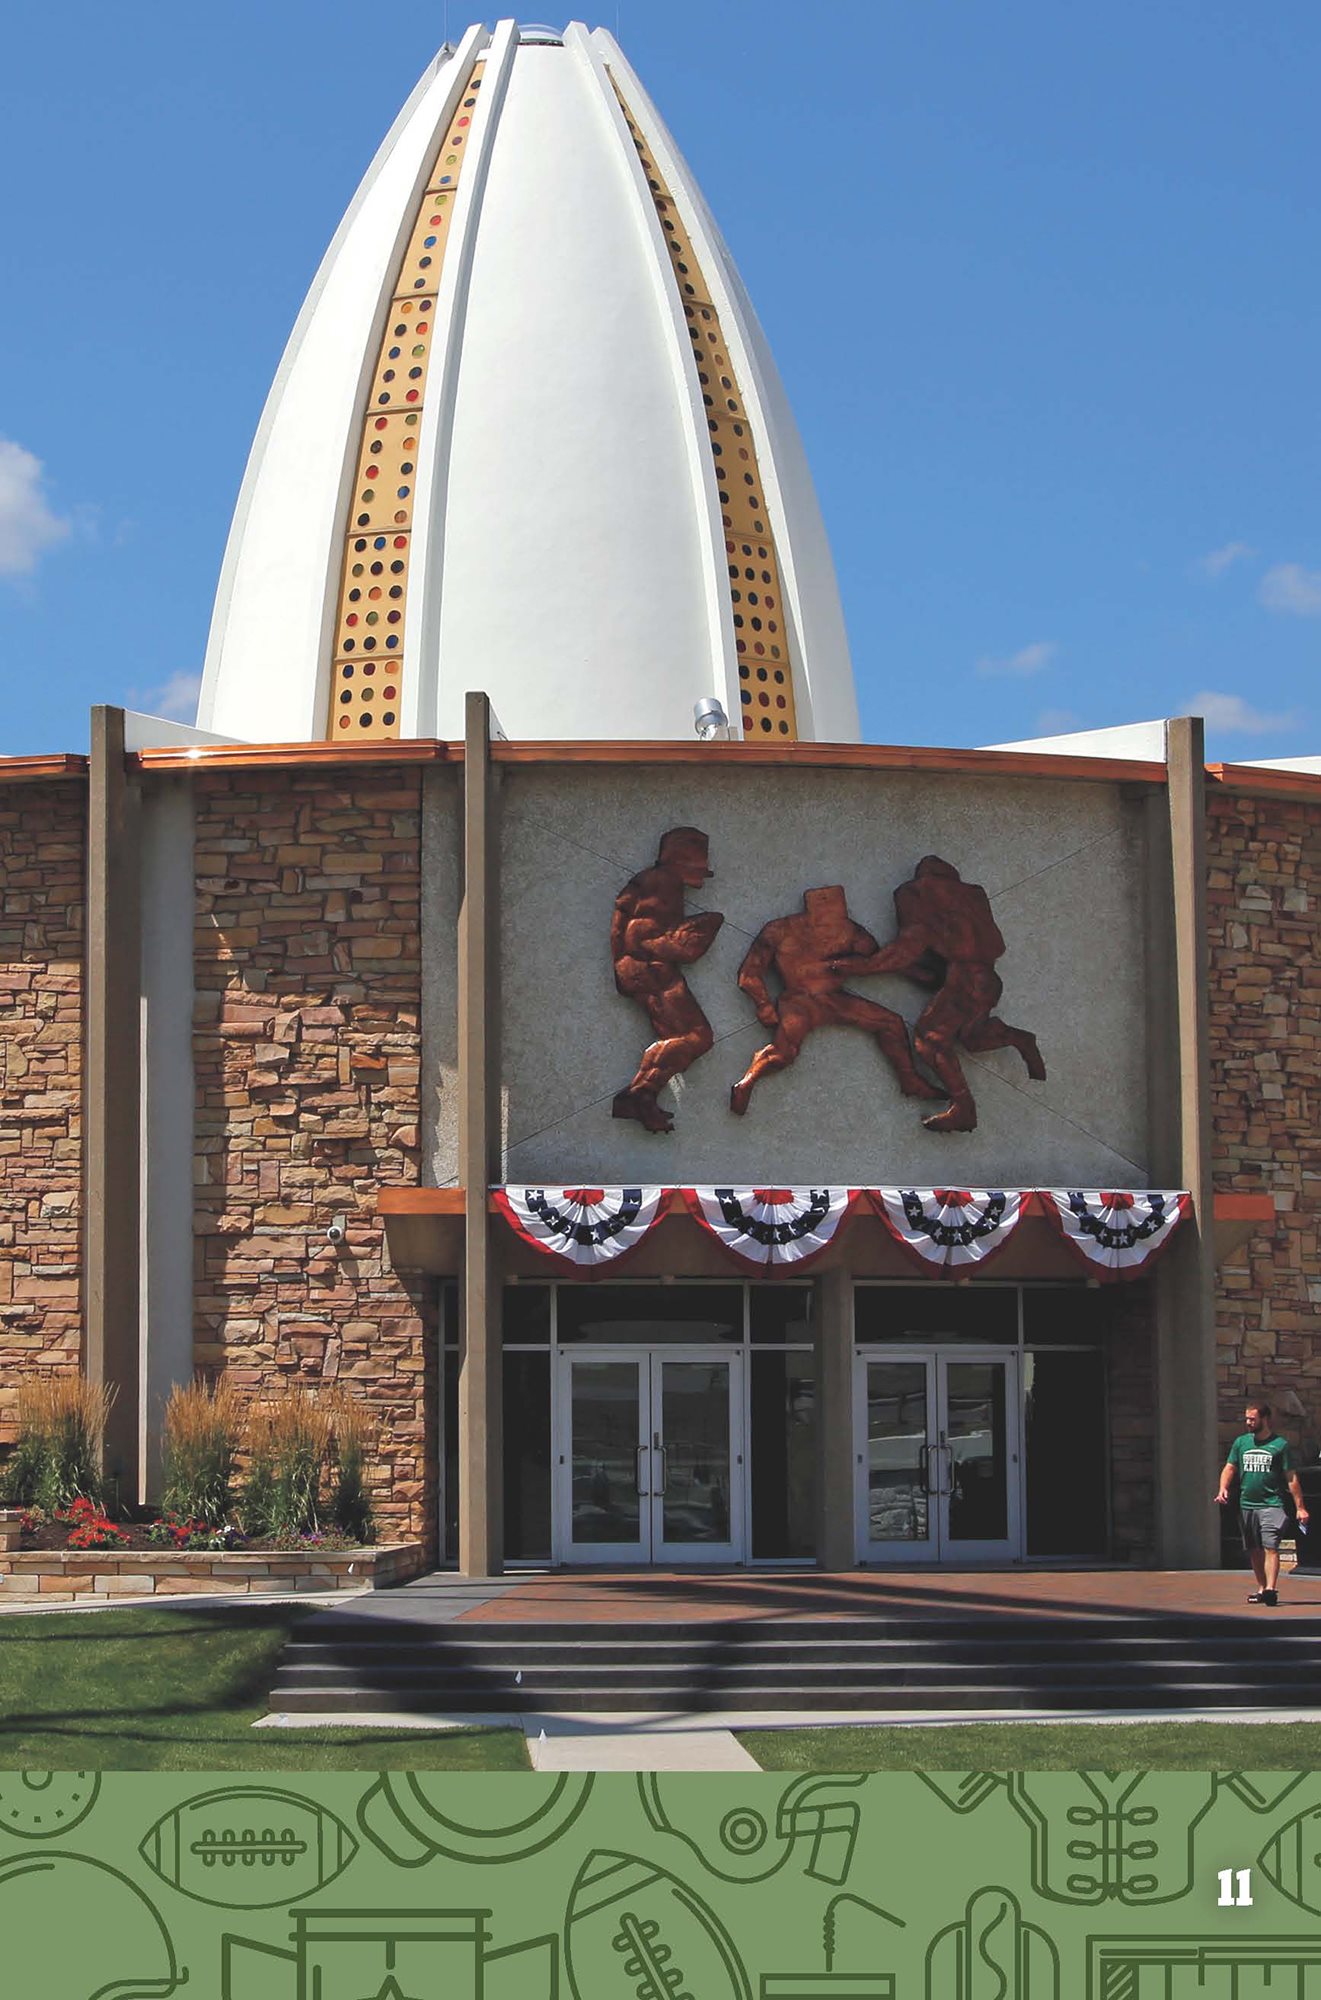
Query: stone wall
x,y
1265,979
42,839
307,1048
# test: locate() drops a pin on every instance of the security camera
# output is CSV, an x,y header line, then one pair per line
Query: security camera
x,y
709,719
336,1233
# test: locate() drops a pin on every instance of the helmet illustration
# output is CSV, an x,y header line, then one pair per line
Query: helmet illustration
x,y
76,1929
743,1843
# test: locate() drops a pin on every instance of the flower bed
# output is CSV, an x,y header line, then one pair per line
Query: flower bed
x,y
82,1575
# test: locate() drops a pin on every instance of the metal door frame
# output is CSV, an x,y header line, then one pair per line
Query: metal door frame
x,y
651,1547
937,1546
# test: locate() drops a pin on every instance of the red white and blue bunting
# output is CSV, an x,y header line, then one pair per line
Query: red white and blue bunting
x,y
583,1227
1113,1233
765,1227
951,1227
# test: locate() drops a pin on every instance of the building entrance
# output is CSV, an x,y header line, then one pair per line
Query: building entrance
x,y
648,1455
937,1456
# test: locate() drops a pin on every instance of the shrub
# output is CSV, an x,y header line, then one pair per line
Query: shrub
x,y
201,1433
354,1429
288,1444
61,1426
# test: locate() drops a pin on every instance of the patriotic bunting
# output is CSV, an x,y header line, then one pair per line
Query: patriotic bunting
x,y
1116,1233
764,1227
951,1227
580,1226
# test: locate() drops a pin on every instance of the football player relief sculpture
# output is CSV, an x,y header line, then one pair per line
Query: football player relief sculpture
x,y
651,941
947,941
810,954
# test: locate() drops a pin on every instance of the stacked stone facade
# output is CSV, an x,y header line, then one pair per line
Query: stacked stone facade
x,y
307,1048
42,835
1265,977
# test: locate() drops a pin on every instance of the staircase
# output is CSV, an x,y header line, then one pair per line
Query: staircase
x,y
339,1662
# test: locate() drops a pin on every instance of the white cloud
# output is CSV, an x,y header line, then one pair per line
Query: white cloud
x,y
1219,560
1235,716
176,699
1290,587
1057,722
1033,659
27,524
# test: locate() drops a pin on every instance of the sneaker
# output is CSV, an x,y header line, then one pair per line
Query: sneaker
x,y
1264,1597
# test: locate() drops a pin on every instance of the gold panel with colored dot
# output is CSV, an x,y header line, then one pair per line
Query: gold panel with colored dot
x,y
383,490
365,685
766,688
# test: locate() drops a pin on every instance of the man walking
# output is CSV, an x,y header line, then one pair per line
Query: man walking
x,y
1259,1460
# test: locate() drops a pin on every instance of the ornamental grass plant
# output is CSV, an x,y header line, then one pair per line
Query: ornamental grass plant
x,y
354,1430
56,1460
202,1432
288,1446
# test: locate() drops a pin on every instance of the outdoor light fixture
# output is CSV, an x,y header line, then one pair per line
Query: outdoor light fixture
x,y
709,719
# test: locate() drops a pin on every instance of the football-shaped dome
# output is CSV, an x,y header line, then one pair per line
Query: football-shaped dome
x,y
527,437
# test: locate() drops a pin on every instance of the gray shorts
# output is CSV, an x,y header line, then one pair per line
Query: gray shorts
x,y
1262,1526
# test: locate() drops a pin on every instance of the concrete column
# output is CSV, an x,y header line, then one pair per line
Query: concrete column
x,y
111,1095
836,1447
169,899
1187,1452
481,1461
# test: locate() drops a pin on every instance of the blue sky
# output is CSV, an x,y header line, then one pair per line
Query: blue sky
x,y
1043,282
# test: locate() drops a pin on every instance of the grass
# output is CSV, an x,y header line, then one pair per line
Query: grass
x,y
178,1690
1041,1746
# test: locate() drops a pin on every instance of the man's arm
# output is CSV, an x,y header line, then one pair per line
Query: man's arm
x,y
1228,1474
897,956
1299,1504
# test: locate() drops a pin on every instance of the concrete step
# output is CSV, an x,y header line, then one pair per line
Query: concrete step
x,y
1299,1692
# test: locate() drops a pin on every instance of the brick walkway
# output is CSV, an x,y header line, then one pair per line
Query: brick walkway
x,y
666,1597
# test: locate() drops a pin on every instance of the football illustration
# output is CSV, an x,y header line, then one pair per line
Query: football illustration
x,y
1292,1861
247,1848
634,1932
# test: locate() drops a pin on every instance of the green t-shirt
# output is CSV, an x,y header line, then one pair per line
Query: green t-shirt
x,y
1263,1467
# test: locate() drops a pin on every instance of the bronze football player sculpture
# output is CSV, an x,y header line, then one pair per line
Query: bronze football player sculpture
x,y
802,951
651,941
948,939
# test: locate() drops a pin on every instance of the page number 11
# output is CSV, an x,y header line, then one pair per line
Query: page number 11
x,y
1235,1889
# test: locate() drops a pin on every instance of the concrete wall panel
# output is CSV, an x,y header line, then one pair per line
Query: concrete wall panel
x,y
1062,864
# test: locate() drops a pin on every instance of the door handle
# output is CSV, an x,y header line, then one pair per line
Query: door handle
x,y
640,1489
924,1466
664,1451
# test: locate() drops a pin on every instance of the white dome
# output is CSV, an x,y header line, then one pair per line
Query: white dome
x,y
527,437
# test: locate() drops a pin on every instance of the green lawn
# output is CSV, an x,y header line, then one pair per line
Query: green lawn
x,y
178,1690
1042,1746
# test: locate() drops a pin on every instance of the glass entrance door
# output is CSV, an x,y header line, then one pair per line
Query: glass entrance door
x,y
649,1460
937,1456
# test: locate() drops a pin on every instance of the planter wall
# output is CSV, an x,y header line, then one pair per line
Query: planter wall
x,y
137,1574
